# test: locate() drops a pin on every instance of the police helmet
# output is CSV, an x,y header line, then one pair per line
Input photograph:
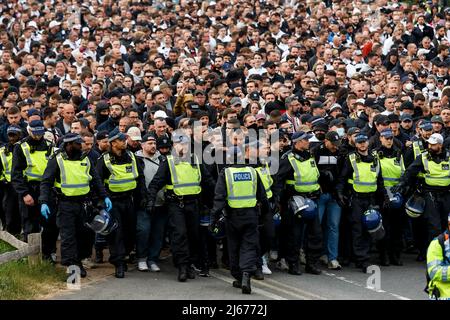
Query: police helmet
x,y
415,206
218,232
205,220
103,223
373,222
276,219
395,199
303,207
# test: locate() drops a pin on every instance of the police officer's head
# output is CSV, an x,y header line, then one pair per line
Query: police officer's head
x,y
362,143
387,138
435,143
118,140
425,129
73,145
181,143
36,129
352,133
300,140
14,133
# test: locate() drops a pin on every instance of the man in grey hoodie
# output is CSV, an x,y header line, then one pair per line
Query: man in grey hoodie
x,y
150,228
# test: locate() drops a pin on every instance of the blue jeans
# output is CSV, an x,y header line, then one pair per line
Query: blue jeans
x,y
329,208
150,233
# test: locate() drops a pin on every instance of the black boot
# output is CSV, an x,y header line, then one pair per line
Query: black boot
x,y
191,272
237,284
99,256
294,269
384,260
182,273
83,272
395,259
313,269
120,271
246,288
258,274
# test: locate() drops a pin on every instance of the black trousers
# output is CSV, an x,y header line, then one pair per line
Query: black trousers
x,y
437,208
184,231
293,229
10,207
243,240
393,221
266,230
32,222
76,238
122,240
361,240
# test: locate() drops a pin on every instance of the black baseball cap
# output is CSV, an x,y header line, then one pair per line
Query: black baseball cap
x,y
333,137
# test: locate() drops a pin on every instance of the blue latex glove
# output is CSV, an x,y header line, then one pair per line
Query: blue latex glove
x,y
108,204
45,211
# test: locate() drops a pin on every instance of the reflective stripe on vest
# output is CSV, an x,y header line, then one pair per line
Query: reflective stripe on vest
x,y
436,174
185,177
266,179
123,176
6,163
36,163
418,150
306,175
392,169
241,187
364,177
75,177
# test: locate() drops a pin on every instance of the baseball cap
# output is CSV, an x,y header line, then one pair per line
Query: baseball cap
x,y
426,125
102,135
254,96
436,138
353,130
405,117
72,137
116,134
54,24
192,105
334,107
393,118
387,133
85,29
148,137
160,114
316,104
14,129
125,30
235,101
260,116
34,112
320,126
134,133
163,142
229,92
380,119
437,119
301,135
333,137
199,93
408,105
361,138
37,127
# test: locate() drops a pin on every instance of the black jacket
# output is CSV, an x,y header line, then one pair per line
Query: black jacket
x,y
109,125
329,164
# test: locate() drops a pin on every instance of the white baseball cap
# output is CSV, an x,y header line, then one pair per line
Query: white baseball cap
x,y
135,134
54,24
160,114
436,138
32,24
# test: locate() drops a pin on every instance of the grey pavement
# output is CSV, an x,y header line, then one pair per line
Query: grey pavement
x,y
396,283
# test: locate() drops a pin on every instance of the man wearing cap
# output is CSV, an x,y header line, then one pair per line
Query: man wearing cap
x,y
70,171
185,180
238,190
10,205
164,145
150,228
438,124
328,160
29,161
419,143
406,125
435,168
125,184
361,175
392,168
298,175
134,139
381,122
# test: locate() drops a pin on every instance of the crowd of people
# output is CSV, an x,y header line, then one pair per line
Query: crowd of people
x,y
350,100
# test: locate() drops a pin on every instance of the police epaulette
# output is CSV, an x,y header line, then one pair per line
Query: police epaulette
x,y
102,155
284,156
54,154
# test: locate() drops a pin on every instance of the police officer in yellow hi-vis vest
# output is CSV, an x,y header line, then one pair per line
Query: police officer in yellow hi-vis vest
x,y
74,178
392,168
298,176
435,167
125,185
10,204
185,178
238,190
29,161
361,174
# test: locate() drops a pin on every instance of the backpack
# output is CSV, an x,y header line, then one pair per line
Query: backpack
x,y
435,293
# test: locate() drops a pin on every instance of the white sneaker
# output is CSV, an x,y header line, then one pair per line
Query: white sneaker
x,y
142,266
265,267
154,267
88,263
324,260
273,255
334,265
54,257
302,257
282,265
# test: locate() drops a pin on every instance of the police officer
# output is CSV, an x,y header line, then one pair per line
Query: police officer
x,y
29,161
74,177
125,184
185,179
239,188
361,170
435,167
10,205
392,168
419,143
298,175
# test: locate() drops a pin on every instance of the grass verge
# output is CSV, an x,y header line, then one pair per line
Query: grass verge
x,y
5,247
19,281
